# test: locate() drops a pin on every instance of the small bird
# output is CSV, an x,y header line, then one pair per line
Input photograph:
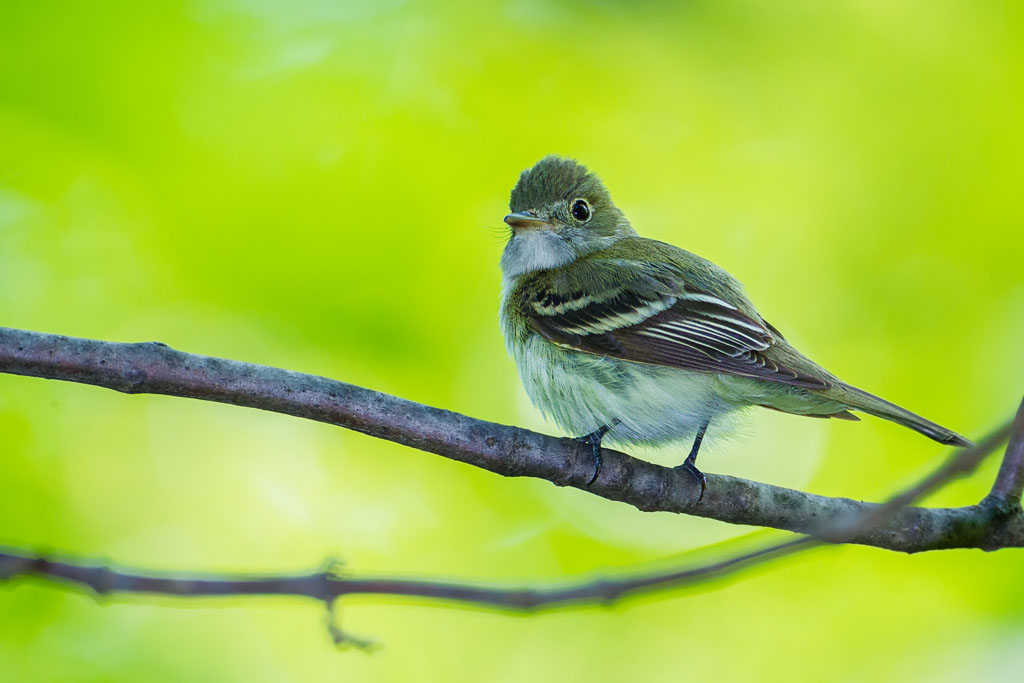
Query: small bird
x,y
627,339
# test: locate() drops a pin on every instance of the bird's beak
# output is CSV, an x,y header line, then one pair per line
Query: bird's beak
x,y
526,221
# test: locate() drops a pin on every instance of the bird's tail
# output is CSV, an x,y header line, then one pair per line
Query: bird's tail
x,y
858,399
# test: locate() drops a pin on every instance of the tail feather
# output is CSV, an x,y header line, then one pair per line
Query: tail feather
x,y
857,399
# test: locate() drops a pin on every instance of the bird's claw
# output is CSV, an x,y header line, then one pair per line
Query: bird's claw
x,y
690,468
594,441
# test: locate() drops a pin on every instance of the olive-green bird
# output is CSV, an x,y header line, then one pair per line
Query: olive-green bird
x,y
635,341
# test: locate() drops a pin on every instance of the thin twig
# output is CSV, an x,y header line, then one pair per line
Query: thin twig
x,y
327,587
1010,481
155,368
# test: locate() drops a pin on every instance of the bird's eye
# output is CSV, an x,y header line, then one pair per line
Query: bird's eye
x,y
581,210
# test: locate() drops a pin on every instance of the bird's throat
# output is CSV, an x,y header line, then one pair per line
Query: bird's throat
x,y
531,250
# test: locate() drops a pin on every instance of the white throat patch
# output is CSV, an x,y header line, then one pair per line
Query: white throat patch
x,y
532,250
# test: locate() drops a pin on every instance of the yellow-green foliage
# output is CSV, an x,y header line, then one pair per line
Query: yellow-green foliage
x,y
319,186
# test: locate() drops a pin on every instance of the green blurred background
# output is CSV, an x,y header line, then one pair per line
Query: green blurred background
x,y
319,185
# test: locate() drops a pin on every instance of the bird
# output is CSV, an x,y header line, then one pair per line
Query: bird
x,y
627,340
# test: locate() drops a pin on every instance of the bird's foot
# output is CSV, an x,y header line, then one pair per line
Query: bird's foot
x,y
593,439
690,467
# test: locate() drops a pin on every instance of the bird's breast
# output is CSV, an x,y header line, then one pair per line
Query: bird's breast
x,y
581,392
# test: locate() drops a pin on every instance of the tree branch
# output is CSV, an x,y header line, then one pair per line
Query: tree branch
x,y
155,368
328,586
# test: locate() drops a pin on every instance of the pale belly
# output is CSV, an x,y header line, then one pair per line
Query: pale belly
x,y
642,404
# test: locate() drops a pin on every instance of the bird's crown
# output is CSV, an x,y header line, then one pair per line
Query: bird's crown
x,y
555,179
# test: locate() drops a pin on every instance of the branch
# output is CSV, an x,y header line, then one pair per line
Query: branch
x,y
327,586
1010,481
155,368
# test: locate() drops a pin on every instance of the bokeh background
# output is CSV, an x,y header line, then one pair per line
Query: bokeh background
x,y
319,185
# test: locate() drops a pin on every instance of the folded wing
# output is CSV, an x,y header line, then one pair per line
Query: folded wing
x,y
660,321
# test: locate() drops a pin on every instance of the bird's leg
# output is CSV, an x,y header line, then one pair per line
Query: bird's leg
x,y
690,464
594,440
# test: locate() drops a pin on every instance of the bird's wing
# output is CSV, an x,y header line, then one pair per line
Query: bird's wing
x,y
654,316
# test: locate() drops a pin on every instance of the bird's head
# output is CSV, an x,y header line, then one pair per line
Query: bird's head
x,y
560,211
